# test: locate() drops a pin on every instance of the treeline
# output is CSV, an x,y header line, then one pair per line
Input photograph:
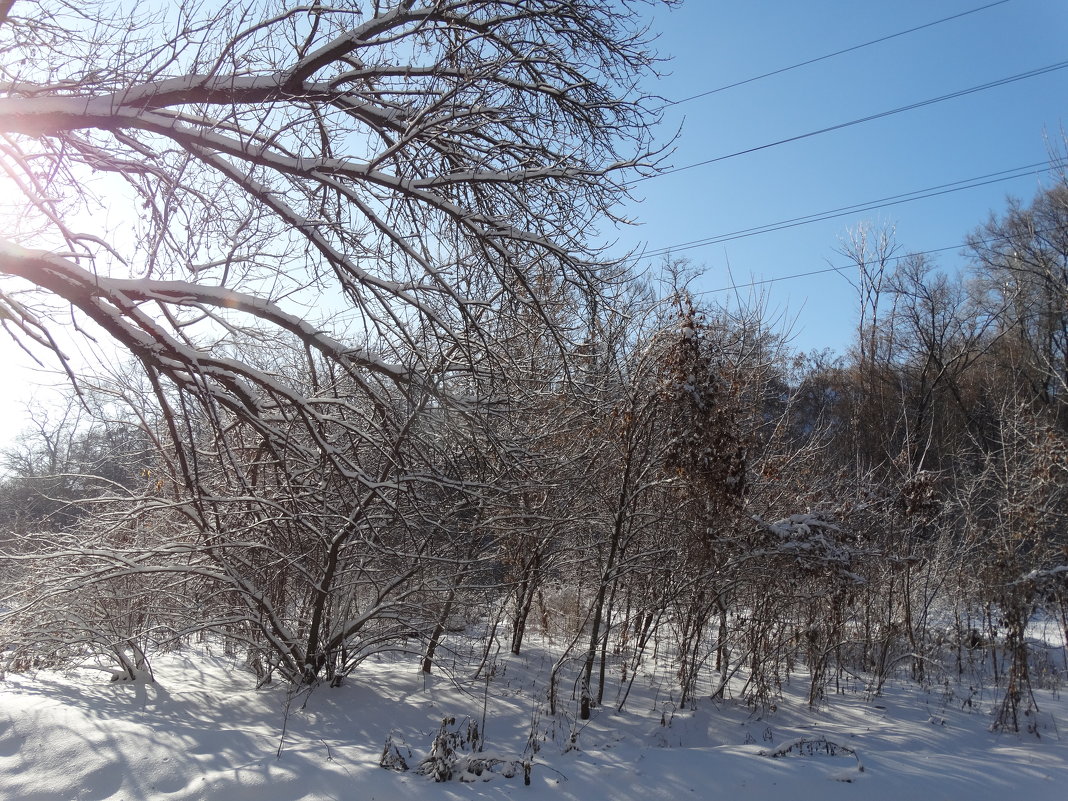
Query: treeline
x,y
652,472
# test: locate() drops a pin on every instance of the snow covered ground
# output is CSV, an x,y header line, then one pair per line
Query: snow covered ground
x,y
203,732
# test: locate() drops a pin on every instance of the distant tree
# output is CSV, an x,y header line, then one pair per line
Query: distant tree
x,y
1022,258
943,330
70,453
874,423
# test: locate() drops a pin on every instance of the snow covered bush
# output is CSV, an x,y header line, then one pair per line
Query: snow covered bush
x,y
457,754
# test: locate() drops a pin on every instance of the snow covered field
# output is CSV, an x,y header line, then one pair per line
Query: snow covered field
x,y
203,732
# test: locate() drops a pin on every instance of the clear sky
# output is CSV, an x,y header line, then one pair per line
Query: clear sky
x,y
714,44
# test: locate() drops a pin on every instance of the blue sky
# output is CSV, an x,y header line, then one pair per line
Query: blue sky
x,y
712,44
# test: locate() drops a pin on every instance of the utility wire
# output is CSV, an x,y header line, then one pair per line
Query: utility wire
x,y
892,200
910,107
839,268
831,55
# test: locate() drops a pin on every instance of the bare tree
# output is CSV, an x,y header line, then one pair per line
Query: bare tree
x,y
1013,520
329,215
1022,258
872,419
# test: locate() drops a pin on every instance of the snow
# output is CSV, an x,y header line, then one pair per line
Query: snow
x,y
202,731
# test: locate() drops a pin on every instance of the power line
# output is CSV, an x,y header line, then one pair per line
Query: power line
x,y
833,269
842,211
838,269
910,107
831,55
